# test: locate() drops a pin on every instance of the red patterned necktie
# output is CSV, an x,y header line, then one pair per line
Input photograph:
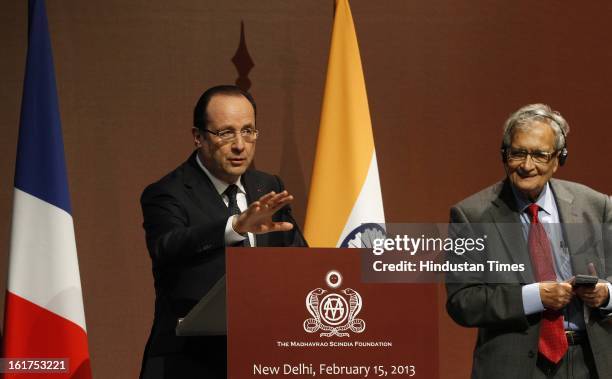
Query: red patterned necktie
x,y
553,343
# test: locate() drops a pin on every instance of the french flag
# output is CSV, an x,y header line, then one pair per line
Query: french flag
x,y
44,315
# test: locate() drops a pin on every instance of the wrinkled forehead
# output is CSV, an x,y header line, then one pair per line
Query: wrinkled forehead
x,y
533,134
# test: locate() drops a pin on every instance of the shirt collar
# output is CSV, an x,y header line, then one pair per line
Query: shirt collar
x,y
219,184
545,200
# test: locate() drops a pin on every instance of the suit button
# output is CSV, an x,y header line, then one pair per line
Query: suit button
x,y
531,354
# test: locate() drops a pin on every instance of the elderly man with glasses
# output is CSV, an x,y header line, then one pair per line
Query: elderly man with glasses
x,y
211,201
550,317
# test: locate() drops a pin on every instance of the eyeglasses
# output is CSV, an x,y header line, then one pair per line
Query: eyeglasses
x,y
228,135
536,156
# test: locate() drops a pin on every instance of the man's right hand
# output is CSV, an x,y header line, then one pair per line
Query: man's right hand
x,y
555,295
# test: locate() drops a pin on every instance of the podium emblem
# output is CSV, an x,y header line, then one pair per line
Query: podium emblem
x,y
334,312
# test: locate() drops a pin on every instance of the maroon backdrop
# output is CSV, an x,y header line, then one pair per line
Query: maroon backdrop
x,y
441,76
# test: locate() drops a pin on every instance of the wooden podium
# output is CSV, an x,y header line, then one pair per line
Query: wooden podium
x,y
305,312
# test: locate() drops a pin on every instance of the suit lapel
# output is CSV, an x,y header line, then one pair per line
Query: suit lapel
x,y
254,189
577,234
565,203
200,189
505,216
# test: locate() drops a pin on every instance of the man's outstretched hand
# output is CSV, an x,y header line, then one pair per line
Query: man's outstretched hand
x,y
257,218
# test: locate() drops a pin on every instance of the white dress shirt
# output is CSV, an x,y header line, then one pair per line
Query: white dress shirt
x,y
231,236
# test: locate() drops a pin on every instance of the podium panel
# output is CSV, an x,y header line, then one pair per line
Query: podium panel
x,y
304,313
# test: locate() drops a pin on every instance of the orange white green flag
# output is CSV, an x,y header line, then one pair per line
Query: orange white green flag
x,y
345,207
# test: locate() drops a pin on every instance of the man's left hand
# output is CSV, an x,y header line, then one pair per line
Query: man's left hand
x,y
257,218
594,296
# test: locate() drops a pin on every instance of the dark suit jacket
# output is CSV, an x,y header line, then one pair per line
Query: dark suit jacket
x,y
507,341
184,221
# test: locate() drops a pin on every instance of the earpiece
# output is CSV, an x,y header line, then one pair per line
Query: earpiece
x,y
563,154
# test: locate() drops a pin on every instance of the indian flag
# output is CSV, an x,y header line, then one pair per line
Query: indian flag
x,y
345,207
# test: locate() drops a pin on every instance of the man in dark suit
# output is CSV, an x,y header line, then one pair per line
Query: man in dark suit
x,y
209,202
536,322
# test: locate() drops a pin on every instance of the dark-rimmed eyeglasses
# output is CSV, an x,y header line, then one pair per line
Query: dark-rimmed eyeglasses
x,y
228,135
537,156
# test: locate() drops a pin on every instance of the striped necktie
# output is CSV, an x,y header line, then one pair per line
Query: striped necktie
x,y
231,191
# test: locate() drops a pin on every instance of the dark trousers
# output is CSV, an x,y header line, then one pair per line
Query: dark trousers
x,y
197,361
578,363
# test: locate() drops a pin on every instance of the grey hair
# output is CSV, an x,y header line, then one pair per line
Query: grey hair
x,y
523,118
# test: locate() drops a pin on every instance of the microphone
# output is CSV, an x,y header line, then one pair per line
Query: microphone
x,y
289,214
